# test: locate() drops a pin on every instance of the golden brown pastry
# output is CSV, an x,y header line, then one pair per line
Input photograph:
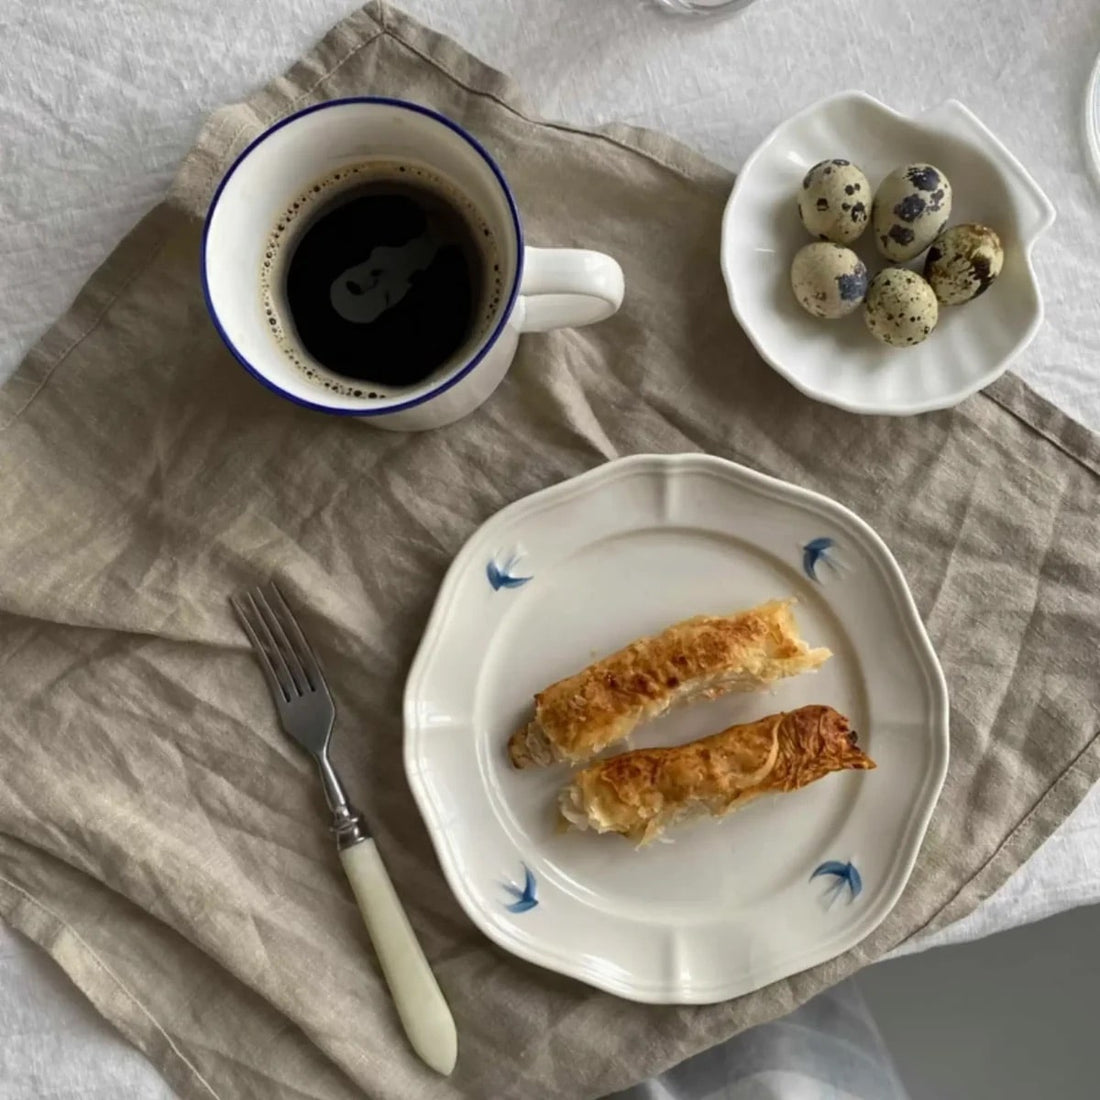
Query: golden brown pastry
x,y
640,793
577,718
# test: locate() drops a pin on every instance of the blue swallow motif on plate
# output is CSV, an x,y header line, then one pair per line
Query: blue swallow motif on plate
x,y
814,553
504,576
845,874
525,898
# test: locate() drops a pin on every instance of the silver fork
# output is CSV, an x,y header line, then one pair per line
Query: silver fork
x,y
307,712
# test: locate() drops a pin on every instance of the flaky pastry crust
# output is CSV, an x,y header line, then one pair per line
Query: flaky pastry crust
x,y
640,793
704,657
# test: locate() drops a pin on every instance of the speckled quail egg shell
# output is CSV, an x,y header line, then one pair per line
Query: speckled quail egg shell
x,y
963,262
828,280
911,208
901,308
834,201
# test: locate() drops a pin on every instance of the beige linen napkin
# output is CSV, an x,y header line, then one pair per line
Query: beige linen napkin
x,y
158,833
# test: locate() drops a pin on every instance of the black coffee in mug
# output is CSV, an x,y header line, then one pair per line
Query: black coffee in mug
x,y
382,274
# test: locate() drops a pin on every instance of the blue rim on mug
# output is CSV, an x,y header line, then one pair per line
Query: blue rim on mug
x,y
486,344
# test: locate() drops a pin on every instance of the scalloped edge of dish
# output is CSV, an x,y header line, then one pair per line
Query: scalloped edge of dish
x,y
995,149
470,558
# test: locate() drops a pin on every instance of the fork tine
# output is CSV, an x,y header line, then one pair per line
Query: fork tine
x,y
270,645
273,682
304,650
286,650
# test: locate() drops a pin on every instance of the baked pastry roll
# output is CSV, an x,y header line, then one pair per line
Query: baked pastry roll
x,y
700,658
639,793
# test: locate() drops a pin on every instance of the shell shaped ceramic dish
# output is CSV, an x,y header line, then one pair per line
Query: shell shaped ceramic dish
x,y
580,569
839,362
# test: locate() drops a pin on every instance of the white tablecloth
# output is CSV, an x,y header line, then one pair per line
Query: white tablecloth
x,y
99,99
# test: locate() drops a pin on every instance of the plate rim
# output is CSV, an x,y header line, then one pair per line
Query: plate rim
x,y
665,466
951,398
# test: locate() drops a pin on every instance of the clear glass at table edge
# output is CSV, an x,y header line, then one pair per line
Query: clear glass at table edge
x,y
1092,119
703,7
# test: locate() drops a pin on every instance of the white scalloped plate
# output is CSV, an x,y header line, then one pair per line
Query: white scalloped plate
x,y
578,570
839,362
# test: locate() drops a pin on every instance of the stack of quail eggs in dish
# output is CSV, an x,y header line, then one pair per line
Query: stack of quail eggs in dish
x,y
907,215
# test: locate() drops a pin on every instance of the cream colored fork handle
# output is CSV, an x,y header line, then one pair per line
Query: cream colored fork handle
x,y
424,1013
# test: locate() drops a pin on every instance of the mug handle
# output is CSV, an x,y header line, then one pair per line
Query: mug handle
x,y
567,288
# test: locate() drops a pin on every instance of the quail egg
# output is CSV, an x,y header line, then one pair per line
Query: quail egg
x,y
834,201
911,208
901,308
828,280
962,263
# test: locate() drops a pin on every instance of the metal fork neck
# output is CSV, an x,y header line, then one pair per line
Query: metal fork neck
x,y
347,821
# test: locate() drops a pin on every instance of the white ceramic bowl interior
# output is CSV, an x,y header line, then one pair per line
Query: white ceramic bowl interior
x,y
839,362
